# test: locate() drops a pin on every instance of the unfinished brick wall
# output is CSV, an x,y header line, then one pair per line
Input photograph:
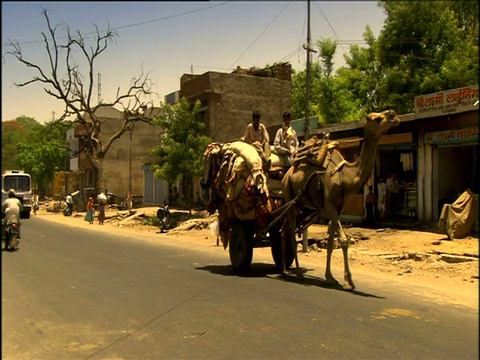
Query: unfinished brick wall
x,y
230,99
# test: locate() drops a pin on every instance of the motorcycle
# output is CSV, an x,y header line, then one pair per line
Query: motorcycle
x,y
10,232
163,216
67,211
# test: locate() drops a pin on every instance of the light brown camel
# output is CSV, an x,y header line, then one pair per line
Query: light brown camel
x,y
325,189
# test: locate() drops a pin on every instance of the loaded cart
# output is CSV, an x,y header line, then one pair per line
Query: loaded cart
x,y
251,210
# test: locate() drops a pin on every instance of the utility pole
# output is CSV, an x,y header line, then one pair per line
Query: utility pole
x,y
309,50
307,108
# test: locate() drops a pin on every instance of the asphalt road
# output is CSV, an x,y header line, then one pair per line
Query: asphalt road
x,y
79,294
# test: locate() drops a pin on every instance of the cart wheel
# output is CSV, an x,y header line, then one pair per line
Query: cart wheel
x,y
241,246
276,243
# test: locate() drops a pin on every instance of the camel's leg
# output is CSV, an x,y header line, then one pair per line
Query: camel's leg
x,y
294,247
289,230
348,285
286,225
332,225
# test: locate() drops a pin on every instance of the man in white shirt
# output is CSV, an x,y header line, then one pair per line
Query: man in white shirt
x,y
382,198
286,140
69,201
12,208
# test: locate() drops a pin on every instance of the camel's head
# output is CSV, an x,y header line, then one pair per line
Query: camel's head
x,y
379,123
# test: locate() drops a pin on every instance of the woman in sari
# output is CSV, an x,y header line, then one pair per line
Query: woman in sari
x,y
90,215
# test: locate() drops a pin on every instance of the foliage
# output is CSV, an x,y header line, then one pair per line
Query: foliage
x,y
330,100
299,85
180,152
424,47
427,47
69,77
14,132
42,152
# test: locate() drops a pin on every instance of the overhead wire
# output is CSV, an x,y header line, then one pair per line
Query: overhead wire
x,y
303,36
135,24
330,25
260,35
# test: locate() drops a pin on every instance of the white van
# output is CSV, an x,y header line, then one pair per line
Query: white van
x,y
21,182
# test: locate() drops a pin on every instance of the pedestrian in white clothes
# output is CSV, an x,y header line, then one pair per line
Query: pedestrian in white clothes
x,y
382,198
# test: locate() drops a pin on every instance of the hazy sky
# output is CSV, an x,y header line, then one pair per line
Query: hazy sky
x,y
169,39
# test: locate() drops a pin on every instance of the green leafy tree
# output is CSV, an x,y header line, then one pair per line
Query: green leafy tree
x,y
299,86
426,47
362,74
13,133
42,152
180,152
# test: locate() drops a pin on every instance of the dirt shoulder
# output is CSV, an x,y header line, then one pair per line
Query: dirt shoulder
x,y
420,262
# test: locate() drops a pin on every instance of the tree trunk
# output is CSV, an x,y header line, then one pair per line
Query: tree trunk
x,y
101,182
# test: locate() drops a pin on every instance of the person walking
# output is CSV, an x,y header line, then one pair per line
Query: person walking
x,y
286,140
102,203
370,201
90,215
382,198
35,203
393,190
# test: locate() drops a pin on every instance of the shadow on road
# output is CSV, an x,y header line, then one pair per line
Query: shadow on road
x,y
270,271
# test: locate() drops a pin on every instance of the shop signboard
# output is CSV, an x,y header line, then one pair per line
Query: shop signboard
x,y
462,136
447,102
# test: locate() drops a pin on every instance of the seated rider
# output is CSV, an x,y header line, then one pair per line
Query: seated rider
x,y
256,131
286,141
12,208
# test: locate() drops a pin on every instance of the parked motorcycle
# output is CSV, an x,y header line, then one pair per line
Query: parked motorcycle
x,y
10,232
163,216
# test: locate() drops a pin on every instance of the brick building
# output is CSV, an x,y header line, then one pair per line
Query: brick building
x,y
228,99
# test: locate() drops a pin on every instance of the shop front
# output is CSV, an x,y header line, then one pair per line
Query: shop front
x,y
447,124
397,156
454,164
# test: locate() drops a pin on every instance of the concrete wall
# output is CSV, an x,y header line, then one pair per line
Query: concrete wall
x,y
117,165
230,99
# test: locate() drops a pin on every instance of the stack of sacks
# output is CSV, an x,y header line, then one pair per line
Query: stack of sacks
x,y
247,189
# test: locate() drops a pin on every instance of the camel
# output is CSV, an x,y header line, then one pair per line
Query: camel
x,y
323,190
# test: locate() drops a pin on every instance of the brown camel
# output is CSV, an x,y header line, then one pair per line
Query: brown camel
x,y
325,189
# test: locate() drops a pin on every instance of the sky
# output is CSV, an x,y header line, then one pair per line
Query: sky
x,y
169,39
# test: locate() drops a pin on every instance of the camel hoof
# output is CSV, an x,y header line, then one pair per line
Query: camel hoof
x,y
300,276
330,280
348,287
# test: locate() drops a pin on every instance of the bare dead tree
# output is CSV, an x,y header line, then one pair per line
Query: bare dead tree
x,y
64,80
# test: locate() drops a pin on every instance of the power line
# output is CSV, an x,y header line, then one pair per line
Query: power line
x,y
330,25
291,54
258,37
134,24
